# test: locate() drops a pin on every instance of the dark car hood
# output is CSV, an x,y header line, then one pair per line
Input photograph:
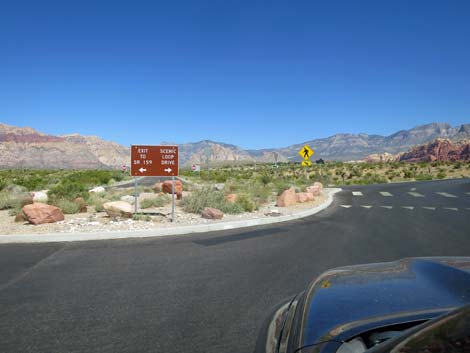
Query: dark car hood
x,y
343,301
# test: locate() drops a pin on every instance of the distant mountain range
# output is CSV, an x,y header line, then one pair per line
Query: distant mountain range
x,y
28,148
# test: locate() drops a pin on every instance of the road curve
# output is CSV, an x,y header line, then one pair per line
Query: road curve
x,y
210,292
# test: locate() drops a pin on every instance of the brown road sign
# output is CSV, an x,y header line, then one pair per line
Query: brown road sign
x,y
154,161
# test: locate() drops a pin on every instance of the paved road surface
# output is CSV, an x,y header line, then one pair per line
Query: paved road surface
x,y
211,292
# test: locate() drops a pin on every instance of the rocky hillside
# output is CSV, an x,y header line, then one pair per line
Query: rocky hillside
x,y
438,150
28,148
358,146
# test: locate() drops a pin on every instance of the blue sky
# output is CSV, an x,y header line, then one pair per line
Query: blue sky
x,y
252,73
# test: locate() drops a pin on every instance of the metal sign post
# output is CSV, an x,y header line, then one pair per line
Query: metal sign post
x,y
135,195
172,199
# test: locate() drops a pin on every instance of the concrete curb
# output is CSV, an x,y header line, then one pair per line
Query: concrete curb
x,y
148,233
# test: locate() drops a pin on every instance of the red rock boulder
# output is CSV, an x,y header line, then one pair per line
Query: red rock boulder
x,y
304,197
80,202
287,198
158,187
166,188
231,198
212,213
40,213
316,189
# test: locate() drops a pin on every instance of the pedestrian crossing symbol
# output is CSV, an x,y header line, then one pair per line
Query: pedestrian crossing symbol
x,y
306,152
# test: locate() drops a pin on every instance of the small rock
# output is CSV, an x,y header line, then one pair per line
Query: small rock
x,y
287,198
231,198
303,196
118,209
39,196
80,201
97,190
212,213
20,218
219,186
40,213
316,189
128,198
273,213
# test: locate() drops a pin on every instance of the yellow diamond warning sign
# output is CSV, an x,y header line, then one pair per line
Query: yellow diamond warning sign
x,y
306,152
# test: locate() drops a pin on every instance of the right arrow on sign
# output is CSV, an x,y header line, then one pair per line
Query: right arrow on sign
x,y
168,170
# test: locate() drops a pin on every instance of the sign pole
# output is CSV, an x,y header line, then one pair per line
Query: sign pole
x,y
135,195
172,199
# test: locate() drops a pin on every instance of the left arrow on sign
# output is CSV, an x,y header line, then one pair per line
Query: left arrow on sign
x,y
142,170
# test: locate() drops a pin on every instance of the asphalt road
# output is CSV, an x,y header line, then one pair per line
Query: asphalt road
x,y
211,292
145,181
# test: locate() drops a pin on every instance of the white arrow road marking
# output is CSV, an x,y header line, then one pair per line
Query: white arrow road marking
x,y
415,194
451,208
387,207
468,193
385,193
408,207
445,194
346,206
366,206
429,208
412,189
357,193
168,170
142,170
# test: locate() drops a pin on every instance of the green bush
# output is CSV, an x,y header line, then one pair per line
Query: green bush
x,y
67,206
97,200
68,189
232,208
246,202
10,200
205,197
441,175
158,201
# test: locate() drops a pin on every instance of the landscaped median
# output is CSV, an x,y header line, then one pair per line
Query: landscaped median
x,y
76,227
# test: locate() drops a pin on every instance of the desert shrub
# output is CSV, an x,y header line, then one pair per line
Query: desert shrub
x,y
441,175
97,200
265,179
3,183
423,176
205,197
157,201
13,200
246,202
232,208
67,189
67,206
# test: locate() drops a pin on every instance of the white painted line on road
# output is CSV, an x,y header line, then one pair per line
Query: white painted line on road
x,y
387,207
408,207
468,193
429,208
445,194
413,189
366,206
357,193
385,193
451,208
346,206
415,194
